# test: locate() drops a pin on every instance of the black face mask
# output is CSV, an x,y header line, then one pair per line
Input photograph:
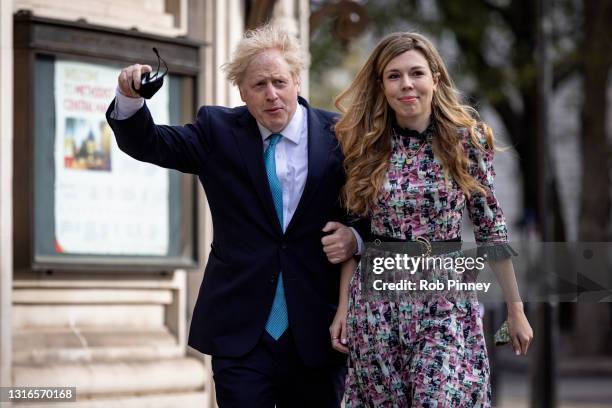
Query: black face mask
x,y
149,84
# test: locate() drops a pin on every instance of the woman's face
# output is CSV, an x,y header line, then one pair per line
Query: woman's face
x,y
408,85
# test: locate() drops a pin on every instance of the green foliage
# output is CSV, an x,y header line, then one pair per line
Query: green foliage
x,y
495,41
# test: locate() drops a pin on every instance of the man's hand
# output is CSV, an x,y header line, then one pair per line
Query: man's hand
x,y
341,244
131,75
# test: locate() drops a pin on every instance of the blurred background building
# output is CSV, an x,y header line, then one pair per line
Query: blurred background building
x,y
114,324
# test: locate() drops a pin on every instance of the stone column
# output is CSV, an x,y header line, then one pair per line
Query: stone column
x,y
6,187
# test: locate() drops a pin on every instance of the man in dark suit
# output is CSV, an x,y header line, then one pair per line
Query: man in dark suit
x,y
272,172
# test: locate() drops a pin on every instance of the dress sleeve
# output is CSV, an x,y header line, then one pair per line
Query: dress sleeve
x,y
490,229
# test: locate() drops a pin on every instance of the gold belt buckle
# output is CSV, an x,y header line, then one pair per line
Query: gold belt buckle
x,y
426,244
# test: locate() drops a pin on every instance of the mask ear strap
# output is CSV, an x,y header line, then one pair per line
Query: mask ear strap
x,y
158,64
156,69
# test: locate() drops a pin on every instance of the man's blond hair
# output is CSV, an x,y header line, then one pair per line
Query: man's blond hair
x,y
254,42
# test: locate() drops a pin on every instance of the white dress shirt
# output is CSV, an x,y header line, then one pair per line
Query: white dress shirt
x,y
125,106
291,154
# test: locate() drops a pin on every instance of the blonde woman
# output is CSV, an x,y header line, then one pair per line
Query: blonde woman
x,y
415,158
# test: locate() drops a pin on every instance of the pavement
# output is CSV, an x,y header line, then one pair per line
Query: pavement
x,y
581,382
572,392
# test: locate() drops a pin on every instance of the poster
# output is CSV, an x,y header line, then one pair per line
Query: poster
x,y
106,203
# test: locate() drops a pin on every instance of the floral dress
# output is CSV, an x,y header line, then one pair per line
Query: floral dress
x,y
423,352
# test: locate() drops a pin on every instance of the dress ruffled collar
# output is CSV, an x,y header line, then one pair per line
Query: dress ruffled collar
x,y
423,136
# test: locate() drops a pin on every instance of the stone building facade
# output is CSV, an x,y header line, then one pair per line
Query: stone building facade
x,y
118,336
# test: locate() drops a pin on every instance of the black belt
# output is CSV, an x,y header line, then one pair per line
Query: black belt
x,y
419,246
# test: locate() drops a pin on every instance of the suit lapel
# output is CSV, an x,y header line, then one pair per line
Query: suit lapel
x,y
319,149
250,145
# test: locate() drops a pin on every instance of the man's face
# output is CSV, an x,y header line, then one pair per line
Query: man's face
x,y
269,90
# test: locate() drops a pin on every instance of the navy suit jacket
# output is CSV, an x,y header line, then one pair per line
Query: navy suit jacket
x,y
225,149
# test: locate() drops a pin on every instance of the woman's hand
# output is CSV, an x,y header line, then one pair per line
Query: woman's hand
x,y
519,329
337,330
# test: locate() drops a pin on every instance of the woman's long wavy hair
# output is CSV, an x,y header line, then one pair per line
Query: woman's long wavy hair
x,y
365,128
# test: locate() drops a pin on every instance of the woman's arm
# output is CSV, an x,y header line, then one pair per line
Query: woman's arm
x,y
491,235
519,329
337,329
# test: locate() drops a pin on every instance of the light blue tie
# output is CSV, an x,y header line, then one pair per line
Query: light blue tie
x,y
278,320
